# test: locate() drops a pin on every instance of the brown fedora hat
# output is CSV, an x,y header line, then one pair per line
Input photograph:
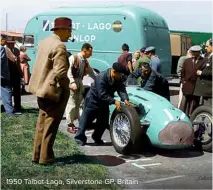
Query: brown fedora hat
x,y
11,39
62,23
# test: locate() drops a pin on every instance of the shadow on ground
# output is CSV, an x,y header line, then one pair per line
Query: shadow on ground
x,y
108,160
23,110
105,160
181,153
30,110
105,144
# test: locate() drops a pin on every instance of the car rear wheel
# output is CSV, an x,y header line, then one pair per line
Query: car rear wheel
x,y
125,129
204,114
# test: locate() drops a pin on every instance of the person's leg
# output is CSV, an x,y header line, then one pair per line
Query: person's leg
x,y
26,73
6,94
86,120
71,111
194,103
50,116
101,126
16,84
38,135
80,99
183,104
180,96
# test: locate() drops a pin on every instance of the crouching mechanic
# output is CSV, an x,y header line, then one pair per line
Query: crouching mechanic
x,y
152,80
79,67
98,99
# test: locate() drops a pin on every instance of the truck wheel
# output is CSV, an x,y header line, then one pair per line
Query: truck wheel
x,y
204,114
125,130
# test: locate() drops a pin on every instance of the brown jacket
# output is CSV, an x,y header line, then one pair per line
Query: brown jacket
x,y
49,77
189,76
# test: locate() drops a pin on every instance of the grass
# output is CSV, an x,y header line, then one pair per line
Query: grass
x,y
17,172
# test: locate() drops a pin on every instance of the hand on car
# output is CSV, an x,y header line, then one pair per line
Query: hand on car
x,y
73,86
127,102
118,105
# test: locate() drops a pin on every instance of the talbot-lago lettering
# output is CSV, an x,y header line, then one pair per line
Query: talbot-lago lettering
x,y
84,38
99,26
76,25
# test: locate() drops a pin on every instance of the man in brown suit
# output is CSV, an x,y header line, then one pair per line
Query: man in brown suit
x,y
188,79
49,82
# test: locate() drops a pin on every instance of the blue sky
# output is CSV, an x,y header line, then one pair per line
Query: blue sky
x,y
179,15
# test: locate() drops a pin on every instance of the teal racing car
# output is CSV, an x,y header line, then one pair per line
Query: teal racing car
x,y
155,119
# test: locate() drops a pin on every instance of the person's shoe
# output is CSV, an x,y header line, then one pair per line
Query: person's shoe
x,y
72,129
11,114
50,163
80,143
17,113
35,162
98,141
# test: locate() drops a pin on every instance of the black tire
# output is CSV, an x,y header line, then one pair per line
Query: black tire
x,y
206,146
136,131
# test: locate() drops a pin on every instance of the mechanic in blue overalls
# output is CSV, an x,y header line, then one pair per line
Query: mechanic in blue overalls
x,y
151,80
155,60
98,99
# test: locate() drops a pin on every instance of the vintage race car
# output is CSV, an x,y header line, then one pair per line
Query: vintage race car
x,y
153,116
155,119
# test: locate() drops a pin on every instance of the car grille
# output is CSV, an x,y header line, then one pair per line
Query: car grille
x,y
177,133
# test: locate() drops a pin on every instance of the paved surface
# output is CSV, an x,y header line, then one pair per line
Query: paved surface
x,y
156,169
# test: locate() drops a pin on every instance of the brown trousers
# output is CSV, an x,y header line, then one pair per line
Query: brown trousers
x,y
50,116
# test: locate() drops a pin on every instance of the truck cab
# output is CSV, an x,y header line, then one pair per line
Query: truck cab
x,y
106,29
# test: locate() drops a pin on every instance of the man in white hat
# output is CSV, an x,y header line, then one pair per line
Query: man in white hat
x,y
188,79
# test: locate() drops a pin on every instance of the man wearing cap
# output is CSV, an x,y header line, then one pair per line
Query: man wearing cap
x,y
79,67
98,99
203,85
143,59
49,82
142,50
6,91
154,59
13,54
151,80
188,79
126,58
137,80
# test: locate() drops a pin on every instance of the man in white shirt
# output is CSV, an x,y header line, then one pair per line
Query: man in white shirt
x,y
79,67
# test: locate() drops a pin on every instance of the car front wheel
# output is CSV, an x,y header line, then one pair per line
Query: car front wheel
x,y
125,129
204,114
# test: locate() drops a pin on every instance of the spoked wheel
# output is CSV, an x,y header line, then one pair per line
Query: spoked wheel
x,y
121,130
125,130
203,114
